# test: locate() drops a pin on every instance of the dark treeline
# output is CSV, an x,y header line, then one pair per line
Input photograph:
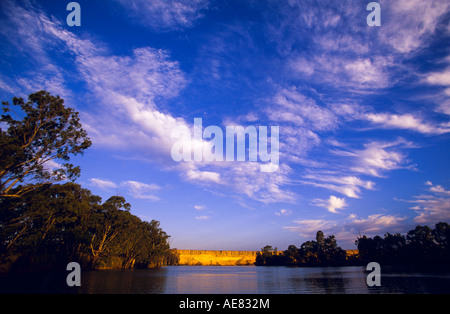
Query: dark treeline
x,y
57,224
422,247
322,252
44,224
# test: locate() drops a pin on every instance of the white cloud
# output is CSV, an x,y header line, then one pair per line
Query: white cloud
x,y
344,172
202,217
265,187
199,207
340,42
103,183
128,90
376,223
346,185
379,157
308,227
293,107
409,24
141,190
199,175
366,72
356,73
439,78
440,190
350,228
165,14
332,204
283,212
50,165
23,29
432,207
406,121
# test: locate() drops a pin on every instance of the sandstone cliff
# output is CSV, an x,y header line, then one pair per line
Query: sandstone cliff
x,y
224,258
219,258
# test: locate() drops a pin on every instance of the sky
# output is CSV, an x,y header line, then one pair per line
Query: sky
x,y
363,111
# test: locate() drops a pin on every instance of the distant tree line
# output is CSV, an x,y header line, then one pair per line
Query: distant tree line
x,y
322,252
42,223
423,247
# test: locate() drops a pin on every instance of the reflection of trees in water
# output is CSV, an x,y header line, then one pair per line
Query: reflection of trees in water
x,y
330,282
124,281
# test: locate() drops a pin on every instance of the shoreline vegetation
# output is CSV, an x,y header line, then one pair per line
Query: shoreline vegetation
x,y
44,225
422,247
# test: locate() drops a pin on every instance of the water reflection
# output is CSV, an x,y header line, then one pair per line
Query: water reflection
x,y
212,279
314,280
124,281
230,280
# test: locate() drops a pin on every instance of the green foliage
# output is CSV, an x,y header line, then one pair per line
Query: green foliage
x,y
55,224
422,246
43,224
38,131
322,252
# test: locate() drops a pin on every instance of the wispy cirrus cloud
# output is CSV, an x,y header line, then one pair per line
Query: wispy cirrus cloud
x,y
129,91
376,223
404,29
378,157
165,15
348,229
203,217
141,190
283,212
289,105
407,121
347,185
136,189
441,78
103,184
432,206
345,173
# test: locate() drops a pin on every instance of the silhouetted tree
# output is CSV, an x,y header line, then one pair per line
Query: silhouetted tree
x,y
291,255
422,246
322,252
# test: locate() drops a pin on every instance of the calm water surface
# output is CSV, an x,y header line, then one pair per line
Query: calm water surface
x,y
252,279
230,280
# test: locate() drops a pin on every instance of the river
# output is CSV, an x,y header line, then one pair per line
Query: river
x,y
232,280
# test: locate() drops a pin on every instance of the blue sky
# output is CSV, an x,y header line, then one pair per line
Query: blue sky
x,y
363,112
